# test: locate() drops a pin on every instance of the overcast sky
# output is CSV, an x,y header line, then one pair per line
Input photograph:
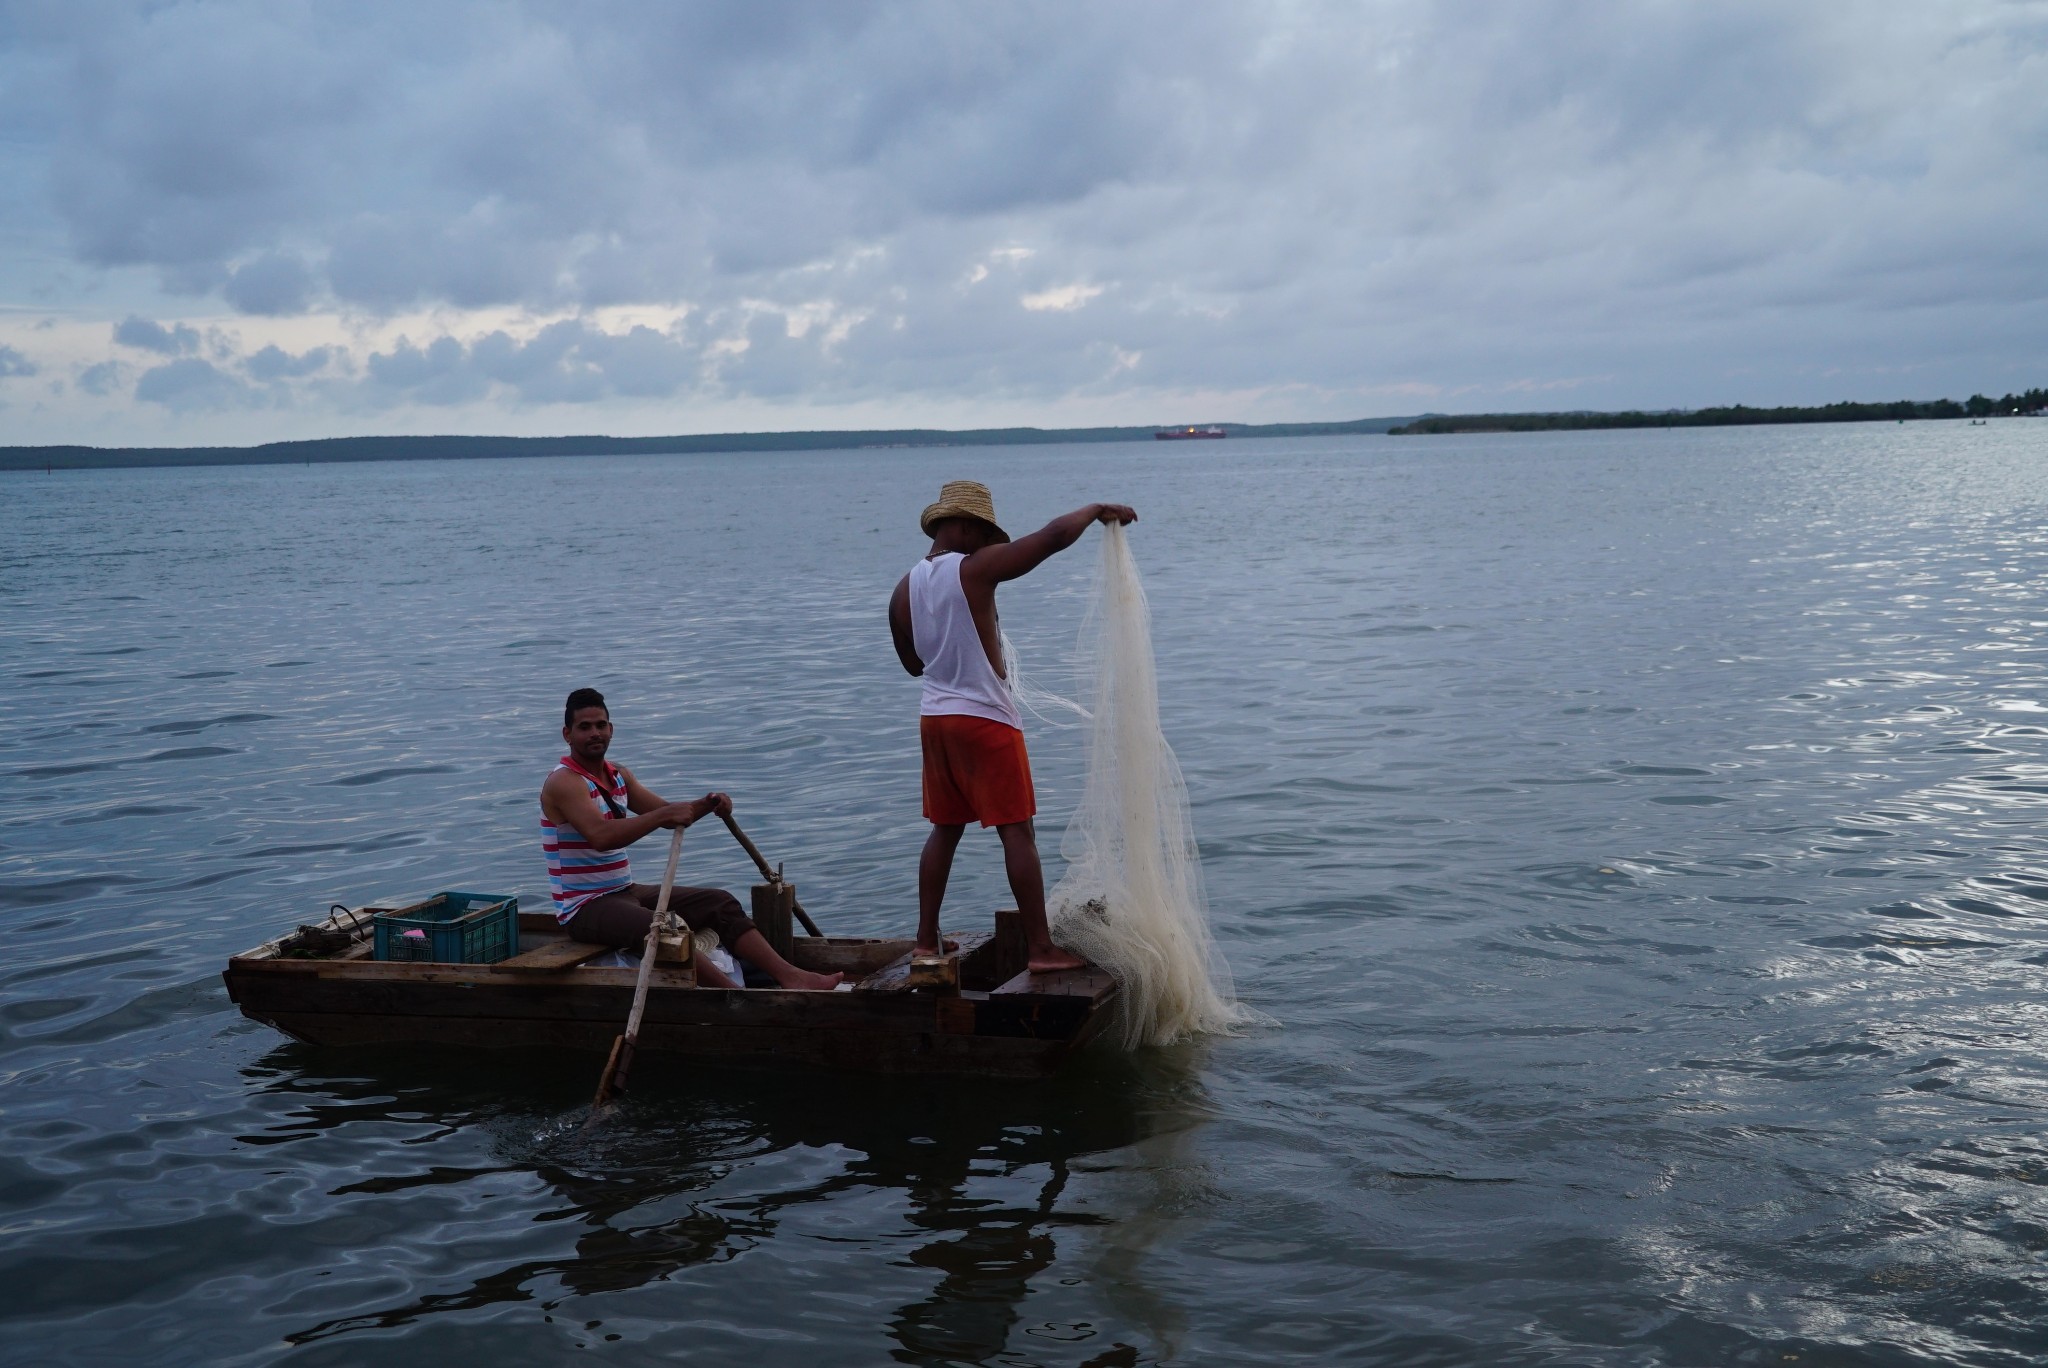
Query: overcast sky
x,y
240,221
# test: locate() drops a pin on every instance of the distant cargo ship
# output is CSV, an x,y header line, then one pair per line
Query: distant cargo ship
x,y
1184,434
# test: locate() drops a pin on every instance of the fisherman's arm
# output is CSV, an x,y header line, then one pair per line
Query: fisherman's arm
x,y
640,798
573,806
1009,560
899,629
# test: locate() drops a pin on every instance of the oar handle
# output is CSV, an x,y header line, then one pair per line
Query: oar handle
x,y
614,1076
668,876
761,863
760,860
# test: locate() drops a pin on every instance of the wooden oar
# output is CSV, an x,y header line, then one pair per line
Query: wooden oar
x,y
761,863
614,1077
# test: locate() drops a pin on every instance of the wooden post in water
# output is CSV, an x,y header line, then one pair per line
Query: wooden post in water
x,y
774,907
1013,951
772,875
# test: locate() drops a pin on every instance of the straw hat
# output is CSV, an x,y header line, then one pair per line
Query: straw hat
x,y
963,499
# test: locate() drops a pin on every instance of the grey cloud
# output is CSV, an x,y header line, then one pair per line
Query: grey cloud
x,y
191,384
189,122
104,378
1342,199
13,363
774,364
642,363
274,283
438,373
148,335
548,367
397,260
505,160
274,363
569,362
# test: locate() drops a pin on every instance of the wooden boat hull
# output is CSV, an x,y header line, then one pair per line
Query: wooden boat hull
x,y
998,1021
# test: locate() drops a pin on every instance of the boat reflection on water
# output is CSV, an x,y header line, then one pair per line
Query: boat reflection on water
x,y
972,1181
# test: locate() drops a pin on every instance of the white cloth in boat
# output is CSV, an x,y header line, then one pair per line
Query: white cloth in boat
x,y
626,959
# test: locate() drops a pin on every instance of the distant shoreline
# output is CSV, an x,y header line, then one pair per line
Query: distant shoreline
x,y
1735,415
333,449
328,450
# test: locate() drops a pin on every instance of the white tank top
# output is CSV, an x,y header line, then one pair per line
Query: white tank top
x,y
958,680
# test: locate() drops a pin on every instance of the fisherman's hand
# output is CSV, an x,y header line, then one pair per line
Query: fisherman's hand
x,y
1117,513
717,804
672,815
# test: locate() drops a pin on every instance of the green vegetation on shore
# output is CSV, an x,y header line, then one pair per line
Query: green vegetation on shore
x,y
1736,415
473,448
451,448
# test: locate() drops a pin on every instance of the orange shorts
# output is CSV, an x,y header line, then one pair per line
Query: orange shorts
x,y
975,770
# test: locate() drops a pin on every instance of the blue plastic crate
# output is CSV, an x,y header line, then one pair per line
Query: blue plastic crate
x,y
453,928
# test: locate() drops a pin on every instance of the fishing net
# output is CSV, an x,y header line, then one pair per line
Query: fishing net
x,y
1131,899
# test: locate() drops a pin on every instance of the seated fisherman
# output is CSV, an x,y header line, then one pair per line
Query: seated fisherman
x,y
590,811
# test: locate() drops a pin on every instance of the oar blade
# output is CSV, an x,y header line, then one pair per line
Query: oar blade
x,y
605,1080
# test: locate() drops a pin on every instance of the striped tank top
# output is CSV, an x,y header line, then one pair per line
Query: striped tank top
x,y
576,872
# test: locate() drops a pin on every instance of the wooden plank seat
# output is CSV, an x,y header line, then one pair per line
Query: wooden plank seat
x,y
552,957
981,961
901,974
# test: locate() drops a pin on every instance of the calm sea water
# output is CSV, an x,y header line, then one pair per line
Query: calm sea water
x,y
1636,838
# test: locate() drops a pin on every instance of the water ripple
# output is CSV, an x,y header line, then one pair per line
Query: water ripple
x,y
1651,905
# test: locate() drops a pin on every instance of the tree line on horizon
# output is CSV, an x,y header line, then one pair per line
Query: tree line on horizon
x,y
1734,415
453,448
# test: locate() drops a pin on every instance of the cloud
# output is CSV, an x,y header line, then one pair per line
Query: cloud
x,y
191,384
147,335
901,202
1060,298
274,363
274,283
573,361
439,373
567,362
13,364
103,378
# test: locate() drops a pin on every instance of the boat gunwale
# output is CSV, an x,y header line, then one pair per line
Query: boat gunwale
x,y
264,960
1024,1026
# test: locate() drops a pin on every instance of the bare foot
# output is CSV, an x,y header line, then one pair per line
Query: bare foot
x,y
806,981
1055,960
919,950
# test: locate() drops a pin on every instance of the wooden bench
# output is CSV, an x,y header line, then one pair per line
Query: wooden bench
x,y
552,958
983,960
903,973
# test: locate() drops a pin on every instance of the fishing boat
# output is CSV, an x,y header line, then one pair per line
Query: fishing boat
x,y
1183,434
974,1010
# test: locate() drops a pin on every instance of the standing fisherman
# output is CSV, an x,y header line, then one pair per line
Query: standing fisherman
x,y
943,619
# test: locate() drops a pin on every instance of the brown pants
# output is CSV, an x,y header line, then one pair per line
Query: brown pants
x,y
621,918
